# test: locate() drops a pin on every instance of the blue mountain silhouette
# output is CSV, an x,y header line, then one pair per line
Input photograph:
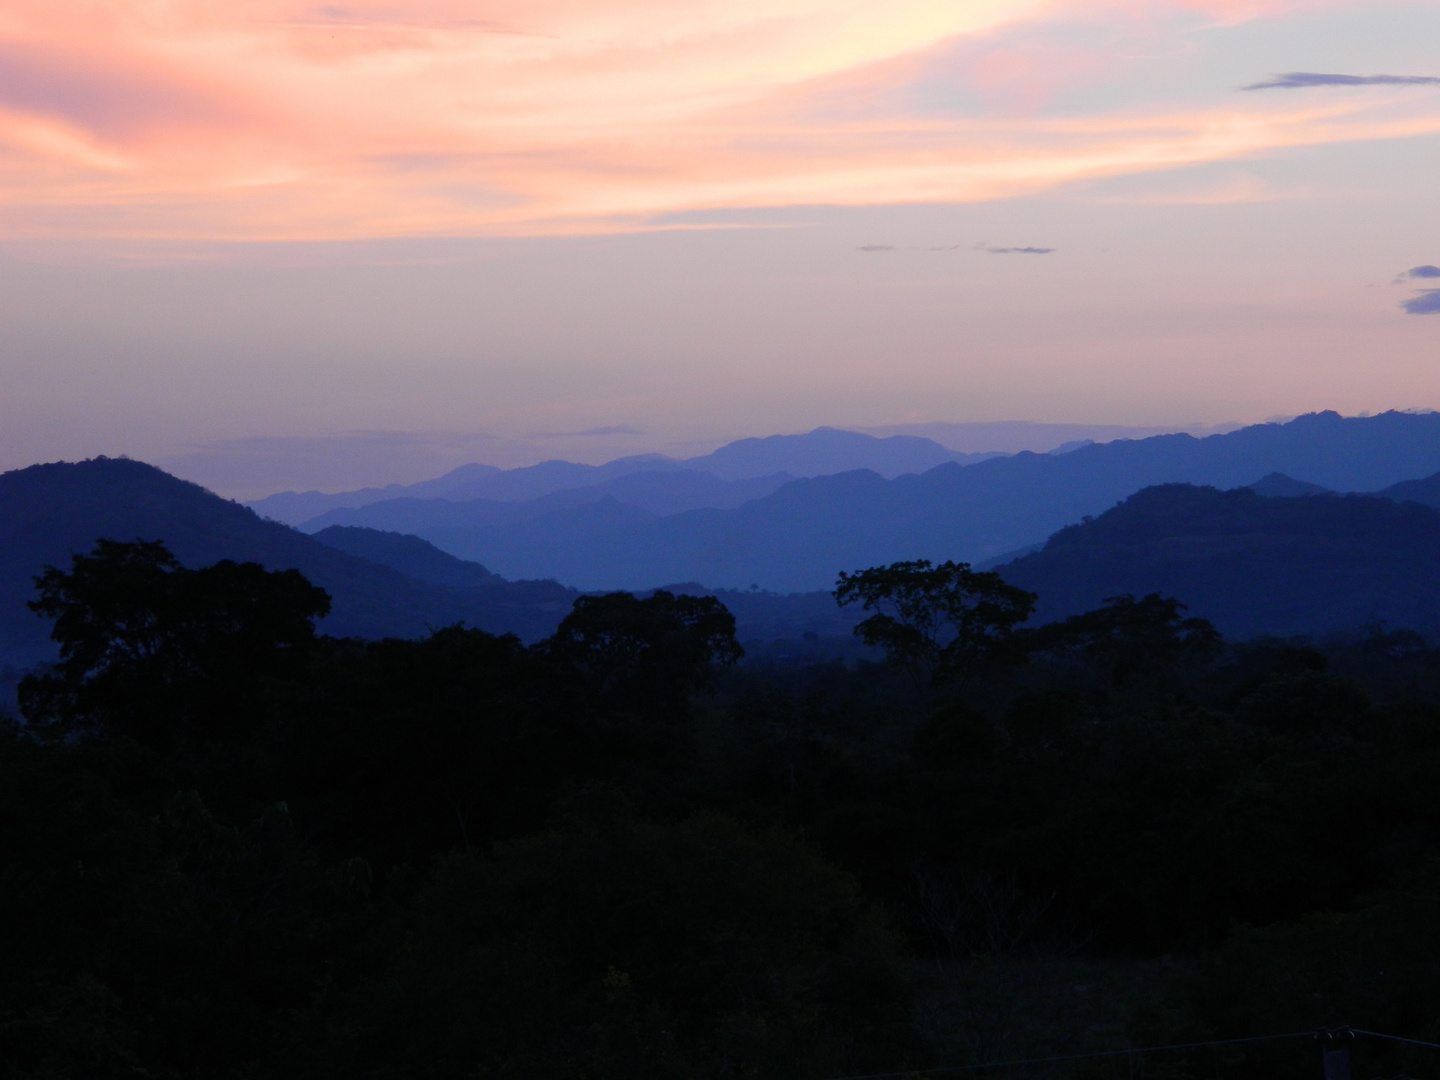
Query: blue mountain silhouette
x,y
797,537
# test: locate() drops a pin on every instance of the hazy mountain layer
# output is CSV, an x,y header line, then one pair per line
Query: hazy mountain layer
x,y
797,538
649,494
760,616
1251,564
410,555
825,451
1016,436
732,475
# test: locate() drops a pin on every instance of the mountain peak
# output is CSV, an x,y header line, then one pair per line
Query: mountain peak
x,y
1278,485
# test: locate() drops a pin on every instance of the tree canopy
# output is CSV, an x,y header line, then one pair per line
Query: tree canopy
x,y
649,653
943,622
255,851
157,650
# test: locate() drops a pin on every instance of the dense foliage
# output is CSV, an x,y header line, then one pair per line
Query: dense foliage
x,y
234,848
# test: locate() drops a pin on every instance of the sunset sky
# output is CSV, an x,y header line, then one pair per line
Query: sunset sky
x,y
278,244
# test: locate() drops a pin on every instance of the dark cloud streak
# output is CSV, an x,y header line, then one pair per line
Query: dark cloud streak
x,y
1426,271
1426,303
619,429
1299,80
982,246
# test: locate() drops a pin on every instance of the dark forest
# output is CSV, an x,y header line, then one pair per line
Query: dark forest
x,y
236,848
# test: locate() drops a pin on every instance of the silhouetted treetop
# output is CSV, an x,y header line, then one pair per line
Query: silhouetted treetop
x,y
945,621
149,647
649,652
1126,635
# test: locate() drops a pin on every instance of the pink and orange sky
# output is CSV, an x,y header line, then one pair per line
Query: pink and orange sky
x,y
488,228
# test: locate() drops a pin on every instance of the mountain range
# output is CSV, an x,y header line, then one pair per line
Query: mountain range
x,y
734,474
1281,556
797,536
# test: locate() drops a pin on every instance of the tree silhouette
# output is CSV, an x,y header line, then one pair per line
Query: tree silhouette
x,y
646,654
1128,636
943,621
152,649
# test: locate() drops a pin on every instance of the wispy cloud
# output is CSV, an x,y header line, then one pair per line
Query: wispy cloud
x,y
1426,303
599,432
1414,272
1299,80
278,120
982,246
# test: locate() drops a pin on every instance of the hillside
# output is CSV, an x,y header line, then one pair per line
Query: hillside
x,y
1251,564
410,555
1278,485
1425,491
49,512
797,538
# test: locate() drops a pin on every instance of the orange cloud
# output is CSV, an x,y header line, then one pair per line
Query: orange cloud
x,y
275,120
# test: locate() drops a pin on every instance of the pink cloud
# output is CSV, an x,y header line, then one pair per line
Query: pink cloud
x,y
108,95
268,119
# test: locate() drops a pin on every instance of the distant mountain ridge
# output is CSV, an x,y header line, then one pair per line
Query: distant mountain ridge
x,y
1251,564
796,538
410,555
732,475
1017,436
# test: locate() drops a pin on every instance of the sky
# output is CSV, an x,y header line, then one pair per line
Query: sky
x,y
284,245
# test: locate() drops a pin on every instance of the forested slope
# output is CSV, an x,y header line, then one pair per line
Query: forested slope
x,y
1252,564
50,512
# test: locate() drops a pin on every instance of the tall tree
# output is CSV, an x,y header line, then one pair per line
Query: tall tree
x,y
648,654
1126,637
942,622
154,650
